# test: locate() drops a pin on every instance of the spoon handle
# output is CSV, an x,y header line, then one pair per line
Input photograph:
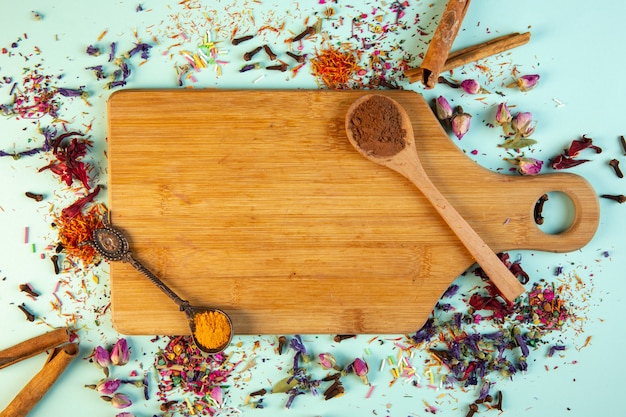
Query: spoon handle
x,y
183,304
508,285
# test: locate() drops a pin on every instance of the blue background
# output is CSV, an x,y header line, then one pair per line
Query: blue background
x,y
576,47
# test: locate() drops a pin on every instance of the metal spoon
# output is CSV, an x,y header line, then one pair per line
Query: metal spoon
x,y
112,245
400,155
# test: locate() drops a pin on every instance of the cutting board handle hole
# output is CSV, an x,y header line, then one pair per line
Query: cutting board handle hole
x,y
558,213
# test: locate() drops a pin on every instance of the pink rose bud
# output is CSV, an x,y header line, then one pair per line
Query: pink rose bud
x,y
443,108
359,366
527,82
503,114
118,400
470,86
328,361
460,123
102,357
121,401
120,353
108,386
529,166
522,123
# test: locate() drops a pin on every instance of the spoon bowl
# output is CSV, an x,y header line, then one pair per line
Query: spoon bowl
x,y
381,130
219,340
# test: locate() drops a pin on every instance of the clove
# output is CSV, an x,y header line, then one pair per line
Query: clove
x,y
472,409
242,39
34,196
29,316
539,208
282,341
622,140
615,164
298,58
498,405
248,55
336,389
262,391
269,52
282,67
28,289
620,198
444,80
55,264
307,32
341,337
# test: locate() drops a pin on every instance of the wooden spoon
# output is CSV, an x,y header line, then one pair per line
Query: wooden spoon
x,y
389,141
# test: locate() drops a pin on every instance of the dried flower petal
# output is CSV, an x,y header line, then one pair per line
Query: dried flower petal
x,y
579,145
564,162
360,368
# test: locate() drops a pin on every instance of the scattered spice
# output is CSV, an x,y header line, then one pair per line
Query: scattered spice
x,y
212,329
73,231
249,55
282,341
622,141
55,264
298,58
269,52
237,41
334,67
620,198
338,338
28,289
183,369
29,316
614,163
34,196
281,67
310,30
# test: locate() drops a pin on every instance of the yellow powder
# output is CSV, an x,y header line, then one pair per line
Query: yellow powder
x,y
212,329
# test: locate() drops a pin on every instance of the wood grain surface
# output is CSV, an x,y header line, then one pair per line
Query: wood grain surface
x,y
255,202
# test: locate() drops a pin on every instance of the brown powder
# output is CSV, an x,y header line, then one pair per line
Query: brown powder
x,y
376,126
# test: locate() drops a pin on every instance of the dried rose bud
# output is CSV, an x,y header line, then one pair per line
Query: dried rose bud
x,y
125,414
530,166
107,386
443,108
120,353
328,361
118,400
522,123
470,86
360,368
503,115
460,123
527,82
102,357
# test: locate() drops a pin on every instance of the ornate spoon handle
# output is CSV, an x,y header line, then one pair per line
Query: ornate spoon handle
x,y
183,304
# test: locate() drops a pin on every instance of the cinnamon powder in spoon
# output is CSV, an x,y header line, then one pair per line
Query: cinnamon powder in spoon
x,y
376,126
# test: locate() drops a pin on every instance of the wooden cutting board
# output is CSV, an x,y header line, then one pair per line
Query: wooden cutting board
x,y
255,202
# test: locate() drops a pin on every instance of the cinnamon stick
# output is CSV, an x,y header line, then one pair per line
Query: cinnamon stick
x,y
34,346
441,43
475,53
30,395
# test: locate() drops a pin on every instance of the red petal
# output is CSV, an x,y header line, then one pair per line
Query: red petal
x,y
564,162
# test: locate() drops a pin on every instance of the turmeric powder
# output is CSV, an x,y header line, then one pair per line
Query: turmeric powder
x,y
212,329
